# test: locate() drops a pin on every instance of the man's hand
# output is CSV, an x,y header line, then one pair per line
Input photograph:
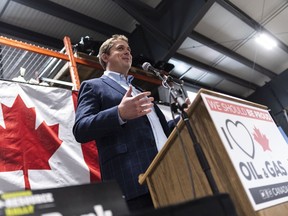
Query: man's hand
x,y
188,102
135,106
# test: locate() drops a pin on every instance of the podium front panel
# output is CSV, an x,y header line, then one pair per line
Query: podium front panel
x,y
173,177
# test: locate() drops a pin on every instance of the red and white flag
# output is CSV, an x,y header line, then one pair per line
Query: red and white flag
x,y
37,147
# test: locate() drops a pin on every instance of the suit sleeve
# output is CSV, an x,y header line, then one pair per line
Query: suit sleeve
x,y
91,120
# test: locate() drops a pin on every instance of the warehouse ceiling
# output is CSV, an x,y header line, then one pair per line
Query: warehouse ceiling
x,y
212,44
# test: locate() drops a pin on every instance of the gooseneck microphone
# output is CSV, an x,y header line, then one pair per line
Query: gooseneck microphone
x,y
175,93
148,67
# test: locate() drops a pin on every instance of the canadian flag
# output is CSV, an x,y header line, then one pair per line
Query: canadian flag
x,y
37,147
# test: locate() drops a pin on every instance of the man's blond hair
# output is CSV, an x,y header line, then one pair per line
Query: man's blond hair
x,y
106,46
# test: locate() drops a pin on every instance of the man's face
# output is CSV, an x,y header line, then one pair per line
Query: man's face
x,y
120,58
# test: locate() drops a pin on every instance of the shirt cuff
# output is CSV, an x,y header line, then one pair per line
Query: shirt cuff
x,y
121,121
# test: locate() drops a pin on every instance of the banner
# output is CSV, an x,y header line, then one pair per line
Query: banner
x,y
256,148
101,199
37,147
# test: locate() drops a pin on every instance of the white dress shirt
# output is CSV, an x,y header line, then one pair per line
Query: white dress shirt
x,y
158,132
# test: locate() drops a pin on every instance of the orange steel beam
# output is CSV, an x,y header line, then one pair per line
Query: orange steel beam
x,y
55,54
44,51
146,78
32,48
72,64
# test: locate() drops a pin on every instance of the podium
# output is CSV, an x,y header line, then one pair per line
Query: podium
x,y
175,174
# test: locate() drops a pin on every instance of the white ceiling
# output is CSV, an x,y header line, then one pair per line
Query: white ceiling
x,y
219,53
226,29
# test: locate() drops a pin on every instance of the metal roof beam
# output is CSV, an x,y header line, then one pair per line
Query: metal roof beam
x,y
136,10
159,39
31,36
216,71
249,21
227,52
72,16
186,26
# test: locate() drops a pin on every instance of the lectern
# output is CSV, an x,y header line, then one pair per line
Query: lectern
x,y
244,148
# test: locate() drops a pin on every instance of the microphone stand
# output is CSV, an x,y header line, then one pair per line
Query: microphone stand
x,y
181,105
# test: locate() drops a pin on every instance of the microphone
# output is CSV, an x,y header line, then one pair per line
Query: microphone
x,y
176,94
148,67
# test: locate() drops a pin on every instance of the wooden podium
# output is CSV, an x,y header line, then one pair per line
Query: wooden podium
x,y
175,174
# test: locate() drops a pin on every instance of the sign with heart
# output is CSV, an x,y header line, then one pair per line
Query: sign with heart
x,y
241,136
255,146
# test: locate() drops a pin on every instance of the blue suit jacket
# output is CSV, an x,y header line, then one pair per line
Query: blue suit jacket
x,y
124,151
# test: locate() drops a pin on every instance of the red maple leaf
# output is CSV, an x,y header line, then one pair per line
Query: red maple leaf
x,y
22,147
261,139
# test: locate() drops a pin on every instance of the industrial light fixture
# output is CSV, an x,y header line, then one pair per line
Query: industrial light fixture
x,y
266,41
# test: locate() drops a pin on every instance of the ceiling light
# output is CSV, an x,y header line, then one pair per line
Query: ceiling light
x,y
266,41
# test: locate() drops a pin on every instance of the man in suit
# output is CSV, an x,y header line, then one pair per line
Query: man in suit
x,y
129,129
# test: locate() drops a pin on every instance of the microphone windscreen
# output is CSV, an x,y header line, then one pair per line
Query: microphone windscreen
x,y
146,66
